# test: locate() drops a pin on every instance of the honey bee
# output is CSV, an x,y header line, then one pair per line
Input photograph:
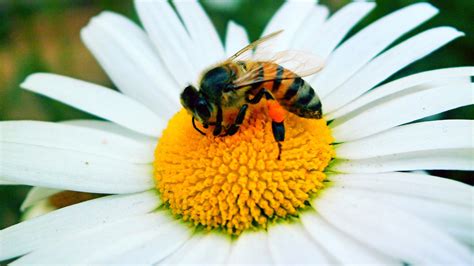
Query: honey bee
x,y
235,83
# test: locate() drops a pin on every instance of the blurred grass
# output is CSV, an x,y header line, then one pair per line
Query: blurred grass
x,y
44,36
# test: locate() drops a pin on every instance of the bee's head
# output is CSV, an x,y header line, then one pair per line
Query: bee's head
x,y
196,104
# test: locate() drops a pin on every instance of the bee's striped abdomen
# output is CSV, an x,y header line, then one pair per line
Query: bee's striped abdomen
x,y
298,97
277,82
290,90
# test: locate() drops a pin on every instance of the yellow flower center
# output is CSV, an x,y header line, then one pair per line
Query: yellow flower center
x,y
236,182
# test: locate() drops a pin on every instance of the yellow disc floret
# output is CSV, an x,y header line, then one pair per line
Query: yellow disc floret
x,y
237,182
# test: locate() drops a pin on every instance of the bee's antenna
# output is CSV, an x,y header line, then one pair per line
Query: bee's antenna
x,y
197,129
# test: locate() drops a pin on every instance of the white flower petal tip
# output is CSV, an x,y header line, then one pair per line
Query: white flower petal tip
x,y
389,230
336,27
309,34
354,53
425,136
171,40
236,38
201,31
96,100
286,20
121,47
49,228
388,63
39,208
36,195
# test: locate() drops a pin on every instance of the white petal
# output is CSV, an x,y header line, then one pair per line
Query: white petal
x,y
73,138
338,245
362,47
453,219
146,247
414,185
462,234
112,128
439,76
389,230
86,245
201,31
127,55
171,39
309,33
37,194
4,182
432,135
289,244
196,250
452,159
72,170
236,38
96,100
336,27
250,248
288,18
386,64
33,234
402,108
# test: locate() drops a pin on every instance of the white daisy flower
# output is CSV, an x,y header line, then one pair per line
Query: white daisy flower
x,y
340,194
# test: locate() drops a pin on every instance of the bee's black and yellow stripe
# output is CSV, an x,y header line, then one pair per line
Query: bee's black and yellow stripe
x,y
290,90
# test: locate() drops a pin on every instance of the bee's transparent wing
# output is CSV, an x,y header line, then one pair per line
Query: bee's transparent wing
x,y
298,63
246,53
301,63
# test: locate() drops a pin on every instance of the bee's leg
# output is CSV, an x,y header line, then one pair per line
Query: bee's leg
x,y
197,129
278,129
219,118
277,114
256,99
209,124
239,119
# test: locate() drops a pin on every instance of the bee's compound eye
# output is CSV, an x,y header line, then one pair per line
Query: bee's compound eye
x,y
203,110
190,91
189,96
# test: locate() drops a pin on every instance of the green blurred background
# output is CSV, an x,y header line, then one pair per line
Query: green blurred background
x,y
43,35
